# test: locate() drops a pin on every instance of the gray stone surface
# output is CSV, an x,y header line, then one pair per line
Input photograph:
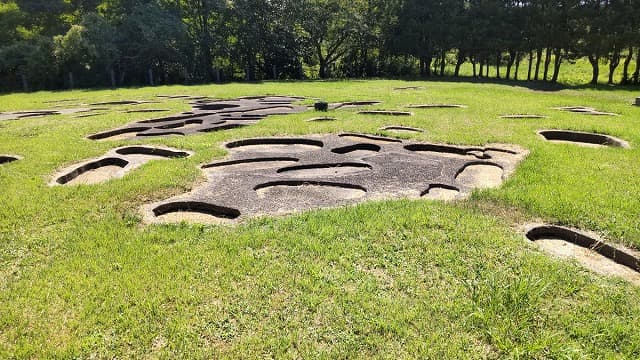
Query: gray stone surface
x,y
437,106
409,88
523,116
584,110
284,175
353,104
401,129
16,115
206,116
114,164
385,112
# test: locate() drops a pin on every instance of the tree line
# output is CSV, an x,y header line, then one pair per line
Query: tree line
x,y
69,43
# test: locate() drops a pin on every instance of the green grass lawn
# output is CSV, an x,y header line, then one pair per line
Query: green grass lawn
x,y
82,277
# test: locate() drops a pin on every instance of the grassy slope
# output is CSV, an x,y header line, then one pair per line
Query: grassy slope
x,y
81,276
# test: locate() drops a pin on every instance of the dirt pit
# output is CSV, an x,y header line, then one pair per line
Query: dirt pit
x,y
5,159
482,176
582,138
401,129
589,251
442,192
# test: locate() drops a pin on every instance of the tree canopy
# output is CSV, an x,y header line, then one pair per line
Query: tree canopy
x,y
66,43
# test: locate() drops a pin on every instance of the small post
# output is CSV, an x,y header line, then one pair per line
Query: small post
x,y
150,71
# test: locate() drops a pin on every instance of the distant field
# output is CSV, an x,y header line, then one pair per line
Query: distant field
x,y
82,276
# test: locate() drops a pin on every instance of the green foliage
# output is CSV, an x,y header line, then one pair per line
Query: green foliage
x,y
207,40
101,36
74,49
11,18
31,58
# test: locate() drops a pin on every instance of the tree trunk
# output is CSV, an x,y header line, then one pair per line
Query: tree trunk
x,y
512,58
547,61
122,76
625,67
436,65
515,73
538,60
427,65
498,58
530,65
205,45
459,63
422,72
473,63
251,68
150,74
636,73
71,82
613,65
112,75
556,65
486,64
25,83
364,60
594,60
323,69
206,61
275,72
443,62
481,68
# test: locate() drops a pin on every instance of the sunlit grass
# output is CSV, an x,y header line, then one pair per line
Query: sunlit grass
x,y
82,277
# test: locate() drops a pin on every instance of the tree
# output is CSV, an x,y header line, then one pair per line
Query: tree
x,y
412,36
204,20
73,51
152,39
47,16
327,26
31,60
101,35
133,41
